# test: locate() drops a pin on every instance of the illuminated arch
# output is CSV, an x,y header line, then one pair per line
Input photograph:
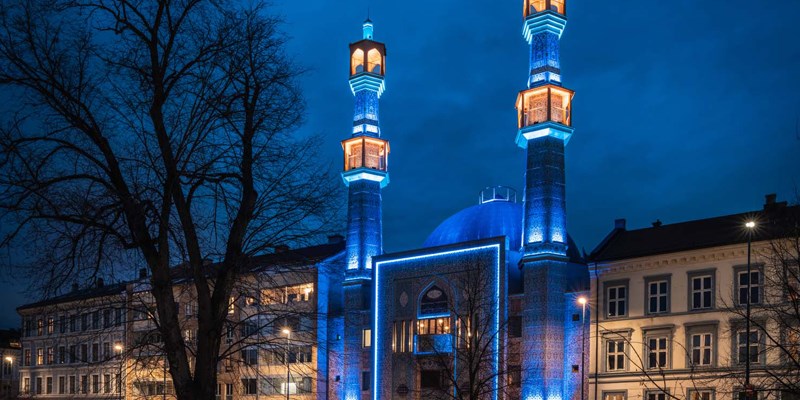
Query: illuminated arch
x,y
357,62
433,300
374,61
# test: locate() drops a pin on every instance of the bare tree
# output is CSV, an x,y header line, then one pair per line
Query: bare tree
x,y
465,361
156,133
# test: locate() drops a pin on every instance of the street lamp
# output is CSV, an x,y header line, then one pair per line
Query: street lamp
x,y
10,361
118,348
582,301
750,225
286,331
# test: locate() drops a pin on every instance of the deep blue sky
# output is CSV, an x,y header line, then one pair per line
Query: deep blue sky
x,y
683,109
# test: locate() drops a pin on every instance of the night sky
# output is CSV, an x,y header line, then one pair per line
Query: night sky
x,y
683,109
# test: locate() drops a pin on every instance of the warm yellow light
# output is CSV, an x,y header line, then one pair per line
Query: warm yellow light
x,y
750,224
9,359
118,347
582,300
286,331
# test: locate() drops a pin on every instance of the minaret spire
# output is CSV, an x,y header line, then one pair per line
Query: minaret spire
x,y
365,174
545,126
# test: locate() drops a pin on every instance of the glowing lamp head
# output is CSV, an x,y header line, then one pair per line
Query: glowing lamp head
x,y
9,359
582,300
286,331
118,347
750,224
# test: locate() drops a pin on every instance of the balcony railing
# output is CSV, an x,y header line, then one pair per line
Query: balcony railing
x,y
427,344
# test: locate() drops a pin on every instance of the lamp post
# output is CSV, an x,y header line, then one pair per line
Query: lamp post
x,y
748,390
582,301
10,361
288,334
118,348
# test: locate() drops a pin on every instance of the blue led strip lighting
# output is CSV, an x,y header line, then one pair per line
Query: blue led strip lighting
x,y
376,323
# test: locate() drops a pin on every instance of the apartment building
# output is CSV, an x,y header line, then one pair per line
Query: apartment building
x,y
669,309
102,342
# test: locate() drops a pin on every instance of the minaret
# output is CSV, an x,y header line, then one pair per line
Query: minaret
x,y
545,126
365,174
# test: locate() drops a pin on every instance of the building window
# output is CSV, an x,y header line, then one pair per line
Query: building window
x,y
515,326
701,291
614,396
743,351
62,385
615,355
365,378
84,384
95,383
701,394
72,384
366,338
433,326
26,385
617,301
655,395
50,355
40,356
657,294
26,358
228,391
95,352
755,281
250,386
701,348
49,382
38,385
107,383
250,356
51,325
62,354
657,352
73,323
430,379
39,328
95,319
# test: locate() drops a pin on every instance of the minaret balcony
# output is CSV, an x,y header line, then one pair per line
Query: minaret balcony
x,y
544,111
543,16
365,157
367,56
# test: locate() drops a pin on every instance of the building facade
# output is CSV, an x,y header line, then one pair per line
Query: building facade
x,y
671,305
10,358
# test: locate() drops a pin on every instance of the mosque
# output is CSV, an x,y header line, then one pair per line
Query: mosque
x,y
489,304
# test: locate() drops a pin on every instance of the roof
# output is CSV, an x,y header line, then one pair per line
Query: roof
x,y
308,255
771,222
487,220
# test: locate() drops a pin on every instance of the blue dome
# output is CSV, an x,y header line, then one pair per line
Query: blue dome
x,y
486,220
482,221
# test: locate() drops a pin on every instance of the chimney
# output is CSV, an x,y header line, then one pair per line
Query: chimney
x,y
75,286
332,239
770,203
100,282
142,273
619,223
281,248
657,223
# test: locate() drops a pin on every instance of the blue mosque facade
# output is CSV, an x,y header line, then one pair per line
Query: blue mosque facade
x,y
489,305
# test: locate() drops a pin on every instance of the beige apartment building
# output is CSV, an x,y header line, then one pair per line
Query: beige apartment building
x,y
102,342
669,306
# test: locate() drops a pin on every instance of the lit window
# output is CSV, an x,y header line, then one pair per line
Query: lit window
x,y
232,305
366,338
614,396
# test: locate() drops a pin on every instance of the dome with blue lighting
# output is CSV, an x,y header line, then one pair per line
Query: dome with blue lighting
x,y
498,214
482,221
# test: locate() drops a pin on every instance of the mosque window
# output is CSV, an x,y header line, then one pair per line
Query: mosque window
x,y
434,301
374,61
365,152
357,62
